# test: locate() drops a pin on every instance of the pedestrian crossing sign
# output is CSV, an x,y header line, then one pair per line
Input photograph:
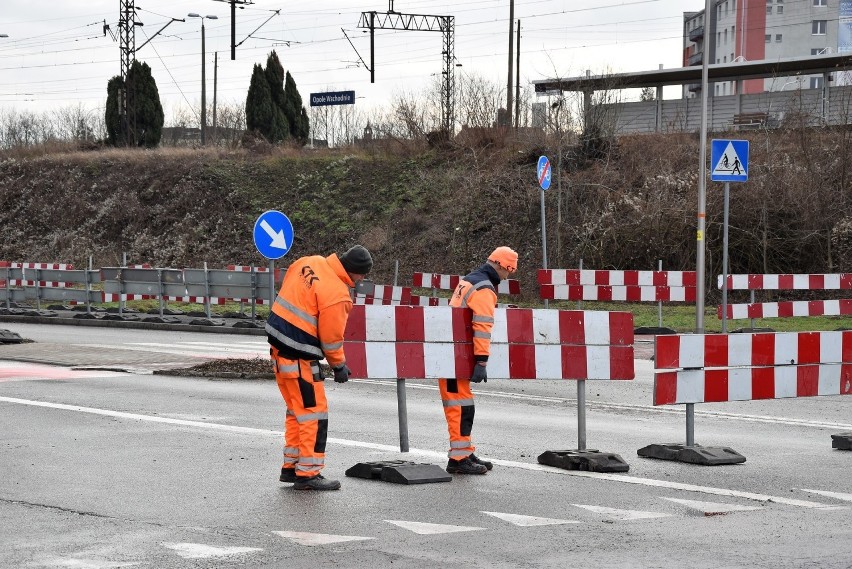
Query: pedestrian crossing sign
x,y
729,159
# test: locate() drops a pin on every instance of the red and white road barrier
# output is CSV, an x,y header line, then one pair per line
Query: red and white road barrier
x,y
414,342
450,282
788,309
33,266
629,286
831,281
699,368
386,295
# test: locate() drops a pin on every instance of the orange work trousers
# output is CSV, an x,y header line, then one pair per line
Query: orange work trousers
x,y
306,421
458,410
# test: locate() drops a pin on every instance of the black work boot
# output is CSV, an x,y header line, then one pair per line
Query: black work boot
x,y
465,466
478,460
317,482
288,475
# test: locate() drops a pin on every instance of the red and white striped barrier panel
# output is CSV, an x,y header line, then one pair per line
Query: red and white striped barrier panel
x,y
386,295
788,309
831,281
629,286
699,368
30,283
414,342
450,282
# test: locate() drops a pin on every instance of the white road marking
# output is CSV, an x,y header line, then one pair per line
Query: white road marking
x,y
711,508
528,521
314,539
827,494
213,352
424,528
435,455
623,515
665,409
17,371
205,347
202,551
90,564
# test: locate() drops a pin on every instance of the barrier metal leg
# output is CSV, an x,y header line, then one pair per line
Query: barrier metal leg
x,y
581,414
402,413
582,458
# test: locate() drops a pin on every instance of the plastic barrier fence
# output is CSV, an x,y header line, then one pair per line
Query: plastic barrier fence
x,y
629,286
703,368
786,309
411,342
450,282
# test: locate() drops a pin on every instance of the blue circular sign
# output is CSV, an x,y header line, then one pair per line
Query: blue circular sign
x,y
273,234
543,172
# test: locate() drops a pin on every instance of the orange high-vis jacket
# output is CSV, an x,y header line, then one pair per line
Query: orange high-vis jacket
x,y
309,314
477,291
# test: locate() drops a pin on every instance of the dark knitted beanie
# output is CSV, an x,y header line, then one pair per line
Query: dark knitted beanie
x,y
357,260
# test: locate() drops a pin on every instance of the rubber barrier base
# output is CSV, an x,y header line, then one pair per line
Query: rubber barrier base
x,y
399,472
842,441
9,337
589,460
696,454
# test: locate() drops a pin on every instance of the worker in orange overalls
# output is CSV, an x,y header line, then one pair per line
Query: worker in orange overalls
x,y
477,291
306,324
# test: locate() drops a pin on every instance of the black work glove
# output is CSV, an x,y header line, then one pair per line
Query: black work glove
x,y
342,373
479,374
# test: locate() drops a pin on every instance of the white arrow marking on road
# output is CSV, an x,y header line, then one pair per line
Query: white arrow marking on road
x,y
528,521
838,495
278,240
711,508
423,528
201,551
312,539
623,515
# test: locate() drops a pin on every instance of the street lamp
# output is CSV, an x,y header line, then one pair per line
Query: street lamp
x,y
203,77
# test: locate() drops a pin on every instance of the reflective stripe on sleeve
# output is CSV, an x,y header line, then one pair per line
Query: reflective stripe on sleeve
x,y
478,334
330,347
478,318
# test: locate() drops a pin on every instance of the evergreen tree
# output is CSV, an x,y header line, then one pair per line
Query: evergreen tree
x,y
274,73
112,114
259,108
144,123
145,113
295,112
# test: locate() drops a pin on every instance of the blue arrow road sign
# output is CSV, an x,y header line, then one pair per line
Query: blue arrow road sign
x,y
543,172
273,234
729,160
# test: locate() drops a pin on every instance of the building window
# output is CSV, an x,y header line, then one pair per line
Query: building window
x,y
768,38
779,10
820,2
777,38
816,82
725,59
819,50
769,10
818,27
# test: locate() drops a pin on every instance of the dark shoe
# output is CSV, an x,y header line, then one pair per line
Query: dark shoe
x,y
288,475
478,460
465,466
316,483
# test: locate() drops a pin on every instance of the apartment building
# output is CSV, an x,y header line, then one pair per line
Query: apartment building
x,y
755,30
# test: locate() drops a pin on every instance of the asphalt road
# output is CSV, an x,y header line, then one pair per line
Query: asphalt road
x,y
103,468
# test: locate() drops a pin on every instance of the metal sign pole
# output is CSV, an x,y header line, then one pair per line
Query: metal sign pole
x,y
725,260
543,239
660,302
581,414
272,290
402,413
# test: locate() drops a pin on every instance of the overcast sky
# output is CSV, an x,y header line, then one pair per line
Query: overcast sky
x,y
56,53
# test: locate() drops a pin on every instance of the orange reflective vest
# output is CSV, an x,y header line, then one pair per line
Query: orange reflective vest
x,y
309,314
477,291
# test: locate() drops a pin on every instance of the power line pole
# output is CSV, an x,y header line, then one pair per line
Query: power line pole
x,y
127,44
215,84
393,20
518,81
234,4
511,63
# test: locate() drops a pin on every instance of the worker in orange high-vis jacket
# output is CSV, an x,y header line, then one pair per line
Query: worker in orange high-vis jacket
x,y
306,324
477,291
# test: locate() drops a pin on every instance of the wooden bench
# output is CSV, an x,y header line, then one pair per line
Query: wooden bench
x,y
750,120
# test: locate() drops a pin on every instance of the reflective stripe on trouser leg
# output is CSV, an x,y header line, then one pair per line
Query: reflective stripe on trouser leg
x,y
306,422
458,410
